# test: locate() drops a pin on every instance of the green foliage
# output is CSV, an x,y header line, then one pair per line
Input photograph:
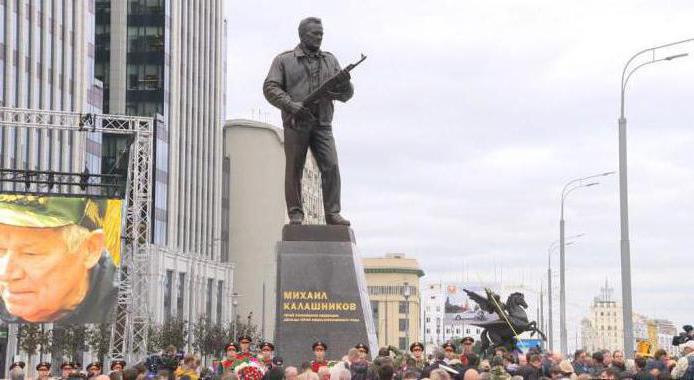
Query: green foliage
x,y
216,340
208,338
173,331
32,338
153,337
68,340
247,327
199,332
98,338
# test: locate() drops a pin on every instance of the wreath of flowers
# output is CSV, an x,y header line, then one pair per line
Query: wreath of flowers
x,y
249,369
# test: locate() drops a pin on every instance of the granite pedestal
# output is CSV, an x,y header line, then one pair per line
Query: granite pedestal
x,y
321,293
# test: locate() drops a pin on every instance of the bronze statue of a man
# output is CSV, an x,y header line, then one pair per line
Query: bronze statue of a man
x,y
294,75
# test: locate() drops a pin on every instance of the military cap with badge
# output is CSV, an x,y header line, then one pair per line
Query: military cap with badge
x,y
50,212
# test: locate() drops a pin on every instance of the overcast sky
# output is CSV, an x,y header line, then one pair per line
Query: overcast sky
x,y
470,116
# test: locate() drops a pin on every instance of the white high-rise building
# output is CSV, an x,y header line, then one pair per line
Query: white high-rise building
x,y
47,55
155,58
47,62
167,57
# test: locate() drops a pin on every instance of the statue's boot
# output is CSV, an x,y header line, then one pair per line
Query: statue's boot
x,y
296,218
336,219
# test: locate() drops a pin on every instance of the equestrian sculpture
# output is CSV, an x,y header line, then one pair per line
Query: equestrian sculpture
x,y
511,322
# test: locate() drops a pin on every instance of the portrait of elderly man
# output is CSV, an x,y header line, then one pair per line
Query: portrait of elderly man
x,y
55,264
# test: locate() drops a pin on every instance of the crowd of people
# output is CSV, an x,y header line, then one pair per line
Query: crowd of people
x,y
449,362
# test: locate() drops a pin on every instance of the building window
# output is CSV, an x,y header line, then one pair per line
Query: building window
x,y
180,297
404,307
208,305
403,324
402,343
220,291
168,287
428,319
374,314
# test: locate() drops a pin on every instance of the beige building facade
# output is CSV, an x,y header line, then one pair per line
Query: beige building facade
x,y
603,327
394,292
254,154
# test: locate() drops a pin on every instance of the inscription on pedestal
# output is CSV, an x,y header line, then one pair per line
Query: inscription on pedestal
x,y
321,294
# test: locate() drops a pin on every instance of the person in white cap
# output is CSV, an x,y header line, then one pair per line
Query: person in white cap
x,y
684,369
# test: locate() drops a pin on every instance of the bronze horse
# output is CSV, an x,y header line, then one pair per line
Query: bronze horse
x,y
512,320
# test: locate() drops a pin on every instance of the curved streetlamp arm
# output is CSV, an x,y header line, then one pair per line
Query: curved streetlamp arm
x,y
653,49
555,245
563,191
626,80
625,76
566,193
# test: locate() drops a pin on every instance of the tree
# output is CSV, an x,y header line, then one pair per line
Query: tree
x,y
208,338
247,327
172,332
200,329
153,337
99,338
68,340
216,340
33,337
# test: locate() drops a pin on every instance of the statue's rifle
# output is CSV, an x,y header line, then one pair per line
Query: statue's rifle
x,y
330,84
325,88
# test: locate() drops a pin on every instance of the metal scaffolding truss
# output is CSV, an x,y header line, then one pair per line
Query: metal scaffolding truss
x,y
129,333
43,182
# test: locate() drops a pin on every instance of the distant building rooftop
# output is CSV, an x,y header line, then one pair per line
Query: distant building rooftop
x,y
392,263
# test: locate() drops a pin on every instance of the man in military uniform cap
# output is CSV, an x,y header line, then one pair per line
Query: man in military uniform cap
x,y
43,370
230,350
117,366
267,351
293,76
54,265
417,350
449,349
245,348
94,369
66,369
363,351
319,349
468,342
19,364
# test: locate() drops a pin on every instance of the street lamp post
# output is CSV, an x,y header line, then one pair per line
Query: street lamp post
x,y
550,322
625,254
234,306
568,188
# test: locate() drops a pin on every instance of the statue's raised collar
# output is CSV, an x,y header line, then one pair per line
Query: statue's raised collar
x,y
300,52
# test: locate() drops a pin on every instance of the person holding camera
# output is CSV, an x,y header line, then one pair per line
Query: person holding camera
x,y
684,369
683,337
